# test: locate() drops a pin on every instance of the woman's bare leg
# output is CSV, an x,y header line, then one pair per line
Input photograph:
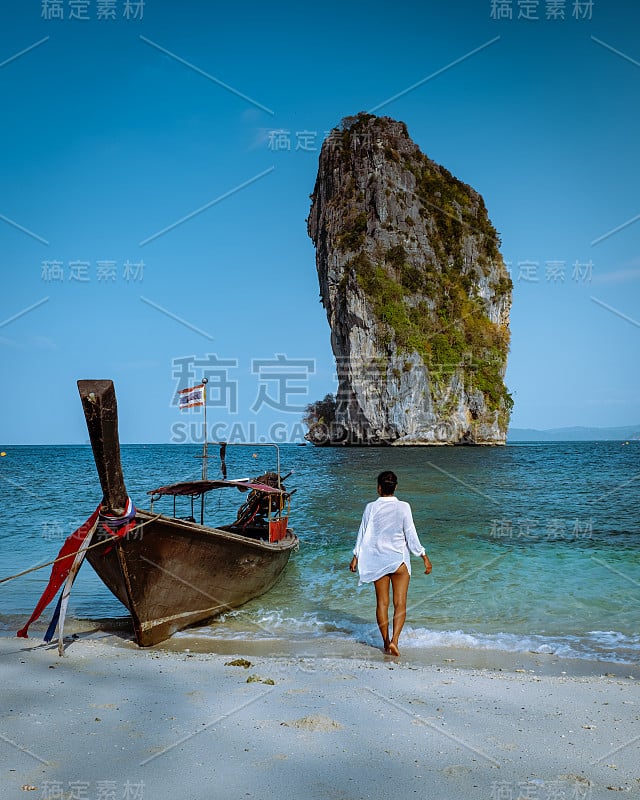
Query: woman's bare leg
x,y
382,608
400,584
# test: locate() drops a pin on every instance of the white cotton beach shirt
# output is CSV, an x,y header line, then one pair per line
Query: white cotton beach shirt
x,y
387,534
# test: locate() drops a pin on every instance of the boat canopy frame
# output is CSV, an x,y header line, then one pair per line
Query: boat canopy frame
x,y
199,488
223,450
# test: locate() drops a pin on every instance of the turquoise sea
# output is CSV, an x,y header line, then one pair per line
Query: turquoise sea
x,y
535,546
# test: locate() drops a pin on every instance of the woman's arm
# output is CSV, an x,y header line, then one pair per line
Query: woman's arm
x,y
361,530
353,566
410,533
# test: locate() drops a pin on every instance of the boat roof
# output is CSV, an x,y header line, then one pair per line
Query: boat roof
x,y
194,488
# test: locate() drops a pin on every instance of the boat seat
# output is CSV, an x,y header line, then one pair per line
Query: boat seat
x,y
251,531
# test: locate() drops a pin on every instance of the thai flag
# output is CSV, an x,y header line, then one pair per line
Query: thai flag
x,y
188,398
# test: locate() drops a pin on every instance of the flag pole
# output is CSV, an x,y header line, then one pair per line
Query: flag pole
x,y
205,381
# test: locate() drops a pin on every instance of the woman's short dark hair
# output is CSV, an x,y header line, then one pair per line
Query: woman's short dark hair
x,y
387,481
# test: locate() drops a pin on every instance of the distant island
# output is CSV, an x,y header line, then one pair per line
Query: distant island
x,y
575,434
416,293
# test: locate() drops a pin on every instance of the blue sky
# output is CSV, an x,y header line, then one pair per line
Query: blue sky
x,y
156,171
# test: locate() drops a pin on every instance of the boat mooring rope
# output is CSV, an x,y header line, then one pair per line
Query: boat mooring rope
x,y
55,560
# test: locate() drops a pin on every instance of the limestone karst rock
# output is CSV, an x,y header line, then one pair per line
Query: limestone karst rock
x,y
416,293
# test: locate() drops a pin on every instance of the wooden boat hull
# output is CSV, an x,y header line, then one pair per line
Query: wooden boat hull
x,y
172,573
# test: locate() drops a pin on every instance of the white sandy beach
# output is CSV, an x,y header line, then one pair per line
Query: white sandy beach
x,y
112,722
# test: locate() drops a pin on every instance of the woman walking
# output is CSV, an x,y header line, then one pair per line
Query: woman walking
x,y
387,534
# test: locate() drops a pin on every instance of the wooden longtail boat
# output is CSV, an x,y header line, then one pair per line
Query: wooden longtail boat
x,y
174,572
